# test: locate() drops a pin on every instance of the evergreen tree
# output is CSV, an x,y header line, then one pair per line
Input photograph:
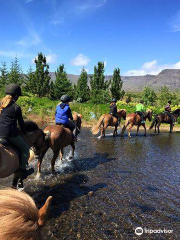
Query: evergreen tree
x,y
116,85
3,75
82,89
165,95
149,96
39,80
98,79
15,75
62,84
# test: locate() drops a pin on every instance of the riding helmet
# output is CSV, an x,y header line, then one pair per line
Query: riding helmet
x,y
141,101
169,101
65,98
114,100
13,89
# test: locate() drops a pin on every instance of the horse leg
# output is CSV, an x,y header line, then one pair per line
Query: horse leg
x,y
73,149
55,155
137,130
115,131
171,128
40,159
124,128
15,179
155,127
144,129
158,125
129,130
61,153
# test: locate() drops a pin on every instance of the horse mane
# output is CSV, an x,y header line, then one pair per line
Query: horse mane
x,y
18,216
177,111
30,126
122,110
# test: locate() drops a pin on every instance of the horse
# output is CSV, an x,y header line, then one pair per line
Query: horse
x,y
164,118
60,138
19,216
134,119
107,120
9,157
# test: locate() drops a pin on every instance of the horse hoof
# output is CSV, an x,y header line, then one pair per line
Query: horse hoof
x,y
38,175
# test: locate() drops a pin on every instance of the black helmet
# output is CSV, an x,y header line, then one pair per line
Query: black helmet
x,y
169,101
13,89
114,100
141,101
65,98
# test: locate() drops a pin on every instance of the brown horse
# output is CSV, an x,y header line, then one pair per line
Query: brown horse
x,y
134,119
164,118
60,138
107,120
19,216
9,160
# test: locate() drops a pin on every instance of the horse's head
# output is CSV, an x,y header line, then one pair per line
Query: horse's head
x,y
35,137
77,118
19,216
176,112
149,115
122,113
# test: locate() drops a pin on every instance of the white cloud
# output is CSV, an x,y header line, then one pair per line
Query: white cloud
x,y
13,54
28,1
105,63
175,22
91,4
33,39
152,68
80,60
50,58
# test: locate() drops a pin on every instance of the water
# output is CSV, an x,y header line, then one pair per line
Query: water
x,y
112,186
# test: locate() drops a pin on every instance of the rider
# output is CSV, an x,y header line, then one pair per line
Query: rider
x,y
113,109
10,114
63,114
140,110
167,109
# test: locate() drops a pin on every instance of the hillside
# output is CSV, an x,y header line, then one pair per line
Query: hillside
x,y
168,77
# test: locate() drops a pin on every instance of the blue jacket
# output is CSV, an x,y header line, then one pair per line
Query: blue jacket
x,y
63,113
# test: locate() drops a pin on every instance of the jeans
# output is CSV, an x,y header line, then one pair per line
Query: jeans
x,y
170,115
23,147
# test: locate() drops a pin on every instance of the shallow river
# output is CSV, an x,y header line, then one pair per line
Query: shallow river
x,y
112,186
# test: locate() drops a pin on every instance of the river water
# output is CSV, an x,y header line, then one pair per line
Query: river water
x,y
112,186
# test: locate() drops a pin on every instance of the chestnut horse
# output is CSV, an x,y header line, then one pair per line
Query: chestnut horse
x,y
60,138
134,119
9,160
164,118
19,217
107,120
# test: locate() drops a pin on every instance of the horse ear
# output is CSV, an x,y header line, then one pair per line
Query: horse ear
x,y
44,211
80,115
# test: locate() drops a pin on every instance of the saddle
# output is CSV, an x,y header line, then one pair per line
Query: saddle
x,y
7,145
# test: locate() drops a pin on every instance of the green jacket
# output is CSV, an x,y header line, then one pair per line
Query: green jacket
x,y
140,108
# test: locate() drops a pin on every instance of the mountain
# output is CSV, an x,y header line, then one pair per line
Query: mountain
x,y
168,77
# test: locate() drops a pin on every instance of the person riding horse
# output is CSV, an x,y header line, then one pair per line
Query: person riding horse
x,y
63,114
113,110
10,114
140,110
167,109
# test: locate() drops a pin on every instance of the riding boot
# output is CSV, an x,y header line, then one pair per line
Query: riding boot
x,y
16,177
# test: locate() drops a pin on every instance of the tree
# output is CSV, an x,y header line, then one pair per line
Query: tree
x,y
39,80
3,75
149,96
128,99
116,85
82,88
165,95
62,85
15,75
99,87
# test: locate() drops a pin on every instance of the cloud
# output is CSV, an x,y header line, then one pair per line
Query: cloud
x,y
50,58
90,4
57,21
80,60
152,68
175,22
13,54
105,63
33,39
28,1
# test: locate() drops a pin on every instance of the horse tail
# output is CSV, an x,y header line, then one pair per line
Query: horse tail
x,y
95,129
152,125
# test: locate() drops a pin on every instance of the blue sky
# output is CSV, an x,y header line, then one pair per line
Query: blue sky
x,y
138,36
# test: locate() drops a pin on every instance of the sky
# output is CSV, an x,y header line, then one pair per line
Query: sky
x,y
138,36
